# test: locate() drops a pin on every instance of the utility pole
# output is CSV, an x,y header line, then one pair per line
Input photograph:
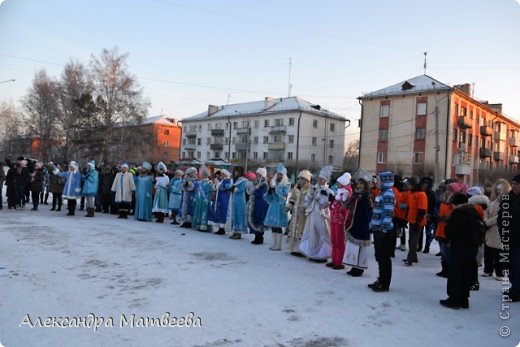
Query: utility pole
x,y
425,54
289,85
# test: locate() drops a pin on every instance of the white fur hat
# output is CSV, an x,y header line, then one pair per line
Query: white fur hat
x,y
179,172
225,172
191,170
479,200
325,172
262,171
305,174
344,179
147,166
161,167
74,164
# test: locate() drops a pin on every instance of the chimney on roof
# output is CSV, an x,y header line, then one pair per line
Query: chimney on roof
x,y
496,107
466,88
268,102
212,109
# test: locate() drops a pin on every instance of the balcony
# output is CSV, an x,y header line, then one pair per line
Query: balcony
x,y
462,170
464,122
486,131
499,136
513,142
276,146
498,156
217,132
277,129
191,135
485,152
513,159
216,146
240,146
242,130
190,146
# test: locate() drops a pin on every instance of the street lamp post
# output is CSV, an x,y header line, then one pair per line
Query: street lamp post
x,y
11,80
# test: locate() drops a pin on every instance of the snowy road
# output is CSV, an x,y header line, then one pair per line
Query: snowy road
x,y
57,266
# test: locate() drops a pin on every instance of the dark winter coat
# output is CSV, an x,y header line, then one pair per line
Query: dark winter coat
x,y
461,229
37,180
57,183
509,219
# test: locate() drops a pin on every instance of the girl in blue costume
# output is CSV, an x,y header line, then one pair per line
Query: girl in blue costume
x,y
175,195
238,205
72,188
276,197
90,188
257,206
143,194
222,201
162,188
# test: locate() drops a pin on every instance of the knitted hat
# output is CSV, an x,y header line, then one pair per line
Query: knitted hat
x,y
262,171
92,164
305,174
179,173
459,199
387,179
281,169
325,172
455,187
344,179
474,191
147,166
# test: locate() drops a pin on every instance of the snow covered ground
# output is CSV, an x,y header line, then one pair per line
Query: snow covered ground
x,y
57,266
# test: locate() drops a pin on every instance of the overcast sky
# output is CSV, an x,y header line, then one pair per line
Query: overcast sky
x,y
188,54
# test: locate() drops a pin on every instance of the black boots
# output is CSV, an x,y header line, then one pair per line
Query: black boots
x,y
355,272
90,212
220,231
445,269
259,239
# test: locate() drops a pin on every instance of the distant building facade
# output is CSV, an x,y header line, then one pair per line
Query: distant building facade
x,y
424,127
289,130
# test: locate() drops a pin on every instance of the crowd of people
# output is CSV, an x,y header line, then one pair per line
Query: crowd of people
x,y
334,222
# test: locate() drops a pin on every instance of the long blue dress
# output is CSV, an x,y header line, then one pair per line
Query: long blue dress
x,y
258,207
276,216
143,197
175,194
221,202
238,212
202,199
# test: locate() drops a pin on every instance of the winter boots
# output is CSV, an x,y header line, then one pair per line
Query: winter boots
x,y
160,217
220,231
277,242
445,269
90,212
259,239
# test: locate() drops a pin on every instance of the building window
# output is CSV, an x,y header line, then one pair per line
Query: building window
x,y
198,155
191,154
332,127
383,135
167,132
208,140
289,156
315,123
331,160
463,111
200,127
420,133
331,143
227,126
217,155
255,155
199,141
277,138
257,124
418,158
265,155
266,123
255,140
462,137
381,157
235,125
165,144
227,155
313,157
291,139
234,155
470,139
314,141
421,109
183,141
245,124
183,155
455,138
266,139
291,121
278,122
384,110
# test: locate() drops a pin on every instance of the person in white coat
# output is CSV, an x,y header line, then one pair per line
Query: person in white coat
x,y
123,186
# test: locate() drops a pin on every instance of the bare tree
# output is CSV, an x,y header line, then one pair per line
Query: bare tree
x,y
41,119
11,127
350,162
118,96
